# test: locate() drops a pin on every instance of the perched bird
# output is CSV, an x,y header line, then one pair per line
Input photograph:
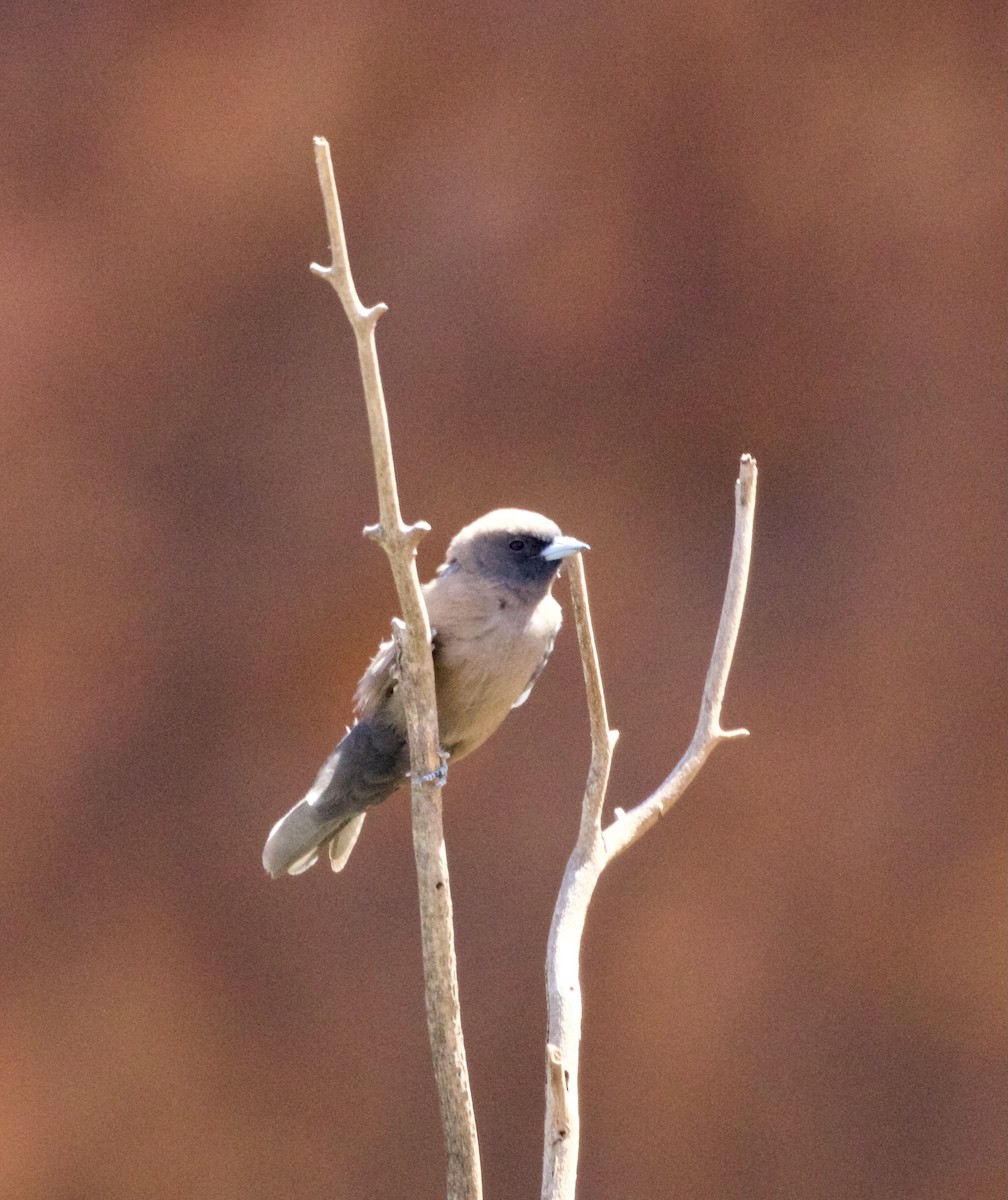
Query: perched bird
x,y
493,621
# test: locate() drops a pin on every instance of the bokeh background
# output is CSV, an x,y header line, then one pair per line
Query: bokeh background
x,y
621,245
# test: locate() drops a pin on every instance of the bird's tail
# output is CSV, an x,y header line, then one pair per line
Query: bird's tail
x,y
367,766
296,839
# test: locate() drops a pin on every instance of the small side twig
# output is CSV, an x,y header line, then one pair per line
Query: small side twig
x,y
628,827
596,848
413,638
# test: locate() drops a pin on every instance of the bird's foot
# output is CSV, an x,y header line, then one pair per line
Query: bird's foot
x,y
439,775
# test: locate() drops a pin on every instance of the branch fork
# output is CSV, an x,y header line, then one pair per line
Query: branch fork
x,y
597,847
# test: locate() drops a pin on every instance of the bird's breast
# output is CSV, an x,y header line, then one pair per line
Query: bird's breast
x,y
485,663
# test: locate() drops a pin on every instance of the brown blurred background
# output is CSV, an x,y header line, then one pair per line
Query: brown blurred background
x,y
621,244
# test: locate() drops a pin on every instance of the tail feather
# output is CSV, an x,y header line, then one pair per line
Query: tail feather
x,y
341,845
295,840
368,765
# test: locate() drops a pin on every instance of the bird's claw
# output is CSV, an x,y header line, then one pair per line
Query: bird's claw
x,y
439,775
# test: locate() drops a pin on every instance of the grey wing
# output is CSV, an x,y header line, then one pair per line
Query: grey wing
x,y
381,679
535,674
378,682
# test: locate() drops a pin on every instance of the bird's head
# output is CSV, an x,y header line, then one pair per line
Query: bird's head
x,y
513,547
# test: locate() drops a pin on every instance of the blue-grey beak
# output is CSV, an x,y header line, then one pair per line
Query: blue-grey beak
x,y
562,547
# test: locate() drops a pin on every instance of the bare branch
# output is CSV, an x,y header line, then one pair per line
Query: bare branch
x,y
563,988
595,849
413,637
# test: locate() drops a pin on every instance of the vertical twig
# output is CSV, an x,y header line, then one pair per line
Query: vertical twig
x,y
596,848
444,1022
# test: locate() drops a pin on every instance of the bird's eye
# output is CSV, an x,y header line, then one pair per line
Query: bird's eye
x,y
517,544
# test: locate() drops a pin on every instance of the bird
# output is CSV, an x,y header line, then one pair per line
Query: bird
x,y
493,621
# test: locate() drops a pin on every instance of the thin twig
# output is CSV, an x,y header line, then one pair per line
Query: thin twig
x,y
603,739
626,829
413,638
596,848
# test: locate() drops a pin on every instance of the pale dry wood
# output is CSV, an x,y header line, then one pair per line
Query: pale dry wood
x,y
596,848
413,638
